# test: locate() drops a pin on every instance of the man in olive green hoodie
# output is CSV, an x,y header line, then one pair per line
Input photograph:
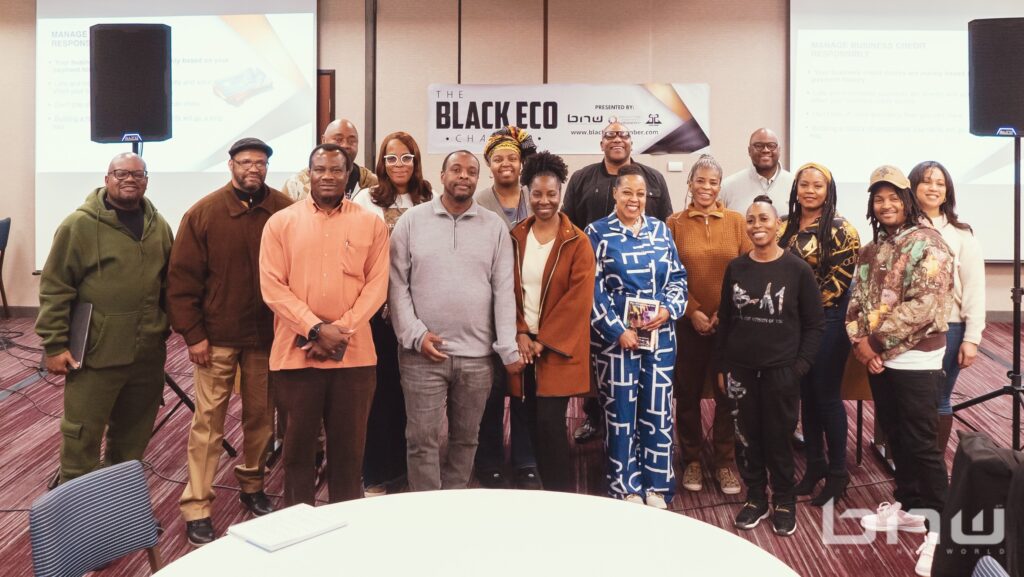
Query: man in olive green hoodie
x,y
111,252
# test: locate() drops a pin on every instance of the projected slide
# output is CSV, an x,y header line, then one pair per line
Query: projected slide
x,y
233,75
867,91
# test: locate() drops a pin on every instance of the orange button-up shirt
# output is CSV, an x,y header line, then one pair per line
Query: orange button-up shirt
x,y
318,265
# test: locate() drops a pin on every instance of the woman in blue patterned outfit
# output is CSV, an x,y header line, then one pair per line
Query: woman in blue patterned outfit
x,y
636,257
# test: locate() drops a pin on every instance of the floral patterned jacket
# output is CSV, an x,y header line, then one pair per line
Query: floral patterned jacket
x,y
902,292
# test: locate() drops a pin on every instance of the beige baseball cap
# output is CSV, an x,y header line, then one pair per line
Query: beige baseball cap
x,y
891,174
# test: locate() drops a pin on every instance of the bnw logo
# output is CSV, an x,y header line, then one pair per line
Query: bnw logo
x,y
962,539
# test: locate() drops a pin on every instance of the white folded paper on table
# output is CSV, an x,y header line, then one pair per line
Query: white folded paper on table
x,y
286,527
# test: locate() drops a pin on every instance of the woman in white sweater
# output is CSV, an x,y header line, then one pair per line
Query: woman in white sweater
x,y
933,188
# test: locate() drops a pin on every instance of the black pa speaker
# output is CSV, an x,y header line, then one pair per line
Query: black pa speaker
x,y
996,57
130,82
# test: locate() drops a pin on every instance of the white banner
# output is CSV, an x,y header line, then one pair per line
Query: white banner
x,y
568,118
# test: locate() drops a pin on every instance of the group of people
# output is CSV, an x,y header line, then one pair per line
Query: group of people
x,y
367,310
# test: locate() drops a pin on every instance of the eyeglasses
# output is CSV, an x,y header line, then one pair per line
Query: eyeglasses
x,y
763,146
335,172
124,174
392,159
247,164
612,134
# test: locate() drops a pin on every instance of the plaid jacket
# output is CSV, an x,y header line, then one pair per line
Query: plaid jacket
x,y
902,292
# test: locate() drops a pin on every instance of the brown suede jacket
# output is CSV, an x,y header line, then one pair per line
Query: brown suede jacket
x,y
214,279
563,369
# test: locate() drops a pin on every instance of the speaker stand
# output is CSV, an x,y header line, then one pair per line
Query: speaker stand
x,y
1014,389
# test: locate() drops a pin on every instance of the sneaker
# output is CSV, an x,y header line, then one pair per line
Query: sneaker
x,y
491,480
257,503
693,477
727,482
528,479
633,498
784,519
892,517
585,432
926,552
751,514
656,500
199,532
375,491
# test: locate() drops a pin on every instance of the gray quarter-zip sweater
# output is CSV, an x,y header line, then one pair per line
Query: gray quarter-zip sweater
x,y
452,275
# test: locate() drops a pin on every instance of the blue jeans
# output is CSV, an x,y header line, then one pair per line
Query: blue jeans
x,y
951,365
822,409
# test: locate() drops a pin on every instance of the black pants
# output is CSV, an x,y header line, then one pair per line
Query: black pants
x,y
545,418
767,403
384,457
490,453
822,409
905,407
341,399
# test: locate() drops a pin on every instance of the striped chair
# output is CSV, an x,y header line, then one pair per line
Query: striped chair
x,y
90,521
989,567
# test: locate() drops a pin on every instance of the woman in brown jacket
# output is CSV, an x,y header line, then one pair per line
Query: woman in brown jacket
x,y
554,280
707,236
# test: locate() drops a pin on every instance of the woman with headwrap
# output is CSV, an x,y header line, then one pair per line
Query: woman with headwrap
x,y
829,243
504,152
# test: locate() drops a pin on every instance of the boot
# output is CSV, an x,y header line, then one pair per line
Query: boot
x,y
945,427
816,471
835,487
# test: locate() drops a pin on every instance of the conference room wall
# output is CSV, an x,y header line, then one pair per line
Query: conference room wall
x,y
738,48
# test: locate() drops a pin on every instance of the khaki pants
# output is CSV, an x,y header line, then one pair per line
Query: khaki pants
x,y
213,386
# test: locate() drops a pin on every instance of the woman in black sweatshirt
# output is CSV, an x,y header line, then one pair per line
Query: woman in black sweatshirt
x,y
770,325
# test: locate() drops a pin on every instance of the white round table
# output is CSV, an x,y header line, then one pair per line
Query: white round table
x,y
491,533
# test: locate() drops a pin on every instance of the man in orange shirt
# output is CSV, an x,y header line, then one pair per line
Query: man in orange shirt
x,y
324,273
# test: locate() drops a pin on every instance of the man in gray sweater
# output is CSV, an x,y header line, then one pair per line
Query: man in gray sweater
x,y
452,306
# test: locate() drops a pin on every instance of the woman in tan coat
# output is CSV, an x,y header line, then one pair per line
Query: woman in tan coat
x,y
554,281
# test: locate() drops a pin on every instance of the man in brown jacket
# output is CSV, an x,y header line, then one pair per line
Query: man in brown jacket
x,y
214,302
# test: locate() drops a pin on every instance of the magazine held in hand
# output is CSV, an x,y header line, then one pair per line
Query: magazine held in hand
x,y
639,312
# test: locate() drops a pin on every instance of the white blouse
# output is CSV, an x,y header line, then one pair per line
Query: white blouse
x,y
534,261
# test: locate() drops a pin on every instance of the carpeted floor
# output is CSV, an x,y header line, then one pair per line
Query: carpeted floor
x,y
30,407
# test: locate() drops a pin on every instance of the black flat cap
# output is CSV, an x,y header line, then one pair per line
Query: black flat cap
x,y
250,144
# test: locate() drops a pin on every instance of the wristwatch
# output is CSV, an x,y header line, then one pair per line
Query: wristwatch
x,y
314,333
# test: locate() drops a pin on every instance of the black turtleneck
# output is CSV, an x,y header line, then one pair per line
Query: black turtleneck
x,y
251,199
131,219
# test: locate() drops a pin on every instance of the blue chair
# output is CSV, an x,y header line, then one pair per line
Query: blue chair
x,y
989,567
5,235
90,521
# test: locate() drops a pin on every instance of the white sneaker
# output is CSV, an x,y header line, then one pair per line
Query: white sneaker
x,y
375,491
656,500
926,552
634,498
892,517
